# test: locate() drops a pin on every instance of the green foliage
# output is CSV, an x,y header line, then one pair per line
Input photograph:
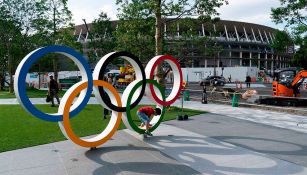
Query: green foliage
x,y
102,39
168,8
55,16
149,14
190,42
135,32
29,25
292,12
136,36
300,57
282,41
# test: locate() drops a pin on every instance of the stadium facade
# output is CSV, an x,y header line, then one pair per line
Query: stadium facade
x,y
243,44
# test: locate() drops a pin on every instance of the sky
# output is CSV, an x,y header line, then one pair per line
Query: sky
x,y
253,11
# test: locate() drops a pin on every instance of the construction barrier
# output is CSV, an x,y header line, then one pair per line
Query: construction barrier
x,y
235,100
186,95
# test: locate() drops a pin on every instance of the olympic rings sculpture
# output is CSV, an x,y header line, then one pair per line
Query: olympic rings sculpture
x,y
105,93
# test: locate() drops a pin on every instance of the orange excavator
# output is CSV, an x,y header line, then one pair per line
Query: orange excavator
x,y
287,83
286,88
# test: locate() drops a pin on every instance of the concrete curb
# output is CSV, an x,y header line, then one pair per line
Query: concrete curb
x,y
296,111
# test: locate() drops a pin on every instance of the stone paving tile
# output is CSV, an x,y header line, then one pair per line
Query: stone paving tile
x,y
124,154
210,156
50,169
5,162
281,143
276,119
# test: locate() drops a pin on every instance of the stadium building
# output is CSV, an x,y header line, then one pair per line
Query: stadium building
x,y
242,44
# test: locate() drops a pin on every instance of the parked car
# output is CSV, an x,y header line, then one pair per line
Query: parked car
x,y
213,80
112,73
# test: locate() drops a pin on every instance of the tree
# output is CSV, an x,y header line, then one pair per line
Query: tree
x,y
136,36
282,41
16,16
300,57
56,16
102,37
159,10
293,14
191,44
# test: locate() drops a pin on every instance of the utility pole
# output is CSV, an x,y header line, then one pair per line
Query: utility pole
x,y
214,66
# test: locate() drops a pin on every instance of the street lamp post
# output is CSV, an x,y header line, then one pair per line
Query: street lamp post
x,y
214,66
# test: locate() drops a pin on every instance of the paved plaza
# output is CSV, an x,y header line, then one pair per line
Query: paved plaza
x,y
224,141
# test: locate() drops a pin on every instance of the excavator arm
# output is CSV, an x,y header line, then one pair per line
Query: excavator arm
x,y
301,75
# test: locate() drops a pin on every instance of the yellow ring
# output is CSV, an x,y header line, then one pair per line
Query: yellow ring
x,y
99,139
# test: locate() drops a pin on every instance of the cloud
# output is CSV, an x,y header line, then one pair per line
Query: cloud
x,y
110,10
253,11
90,9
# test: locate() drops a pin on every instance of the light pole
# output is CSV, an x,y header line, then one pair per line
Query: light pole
x,y
214,66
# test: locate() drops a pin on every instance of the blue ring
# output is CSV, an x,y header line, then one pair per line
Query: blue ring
x,y
22,81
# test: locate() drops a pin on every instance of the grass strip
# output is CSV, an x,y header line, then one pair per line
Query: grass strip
x,y
18,129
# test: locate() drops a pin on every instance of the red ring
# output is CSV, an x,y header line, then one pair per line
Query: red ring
x,y
157,62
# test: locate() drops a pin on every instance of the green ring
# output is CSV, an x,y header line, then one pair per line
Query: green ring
x,y
128,114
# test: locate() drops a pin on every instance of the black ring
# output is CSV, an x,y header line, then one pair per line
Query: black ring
x,y
104,96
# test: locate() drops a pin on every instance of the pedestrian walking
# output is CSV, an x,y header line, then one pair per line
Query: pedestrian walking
x,y
248,81
53,90
229,79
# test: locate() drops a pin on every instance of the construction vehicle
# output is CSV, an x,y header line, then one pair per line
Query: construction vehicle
x,y
126,75
286,88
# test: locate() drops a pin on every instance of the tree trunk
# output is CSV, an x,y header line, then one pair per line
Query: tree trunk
x,y
159,72
54,61
158,28
215,55
55,68
10,67
39,76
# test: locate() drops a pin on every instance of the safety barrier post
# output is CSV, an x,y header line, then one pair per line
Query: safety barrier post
x,y
235,100
186,95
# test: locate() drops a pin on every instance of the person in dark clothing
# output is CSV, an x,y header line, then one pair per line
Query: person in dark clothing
x,y
105,110
248,81
53,90
229,79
